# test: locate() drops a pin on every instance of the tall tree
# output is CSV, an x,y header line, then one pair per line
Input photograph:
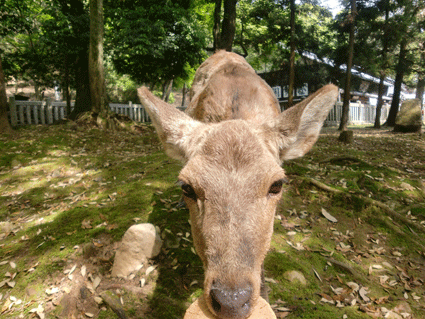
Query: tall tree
x,y
96,73
154,41
407,20
4,122
347,88
384,66
224,31
77,15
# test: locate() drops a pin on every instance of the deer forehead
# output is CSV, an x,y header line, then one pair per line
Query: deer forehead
x,y
232,154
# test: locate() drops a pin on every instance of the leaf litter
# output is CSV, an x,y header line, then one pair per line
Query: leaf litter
x,y
370,273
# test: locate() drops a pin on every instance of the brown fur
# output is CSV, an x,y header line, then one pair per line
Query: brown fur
x,y
233,144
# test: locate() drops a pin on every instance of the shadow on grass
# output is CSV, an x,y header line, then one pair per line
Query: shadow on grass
x,y
180,273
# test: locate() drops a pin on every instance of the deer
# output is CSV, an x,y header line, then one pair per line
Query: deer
x,y
232,140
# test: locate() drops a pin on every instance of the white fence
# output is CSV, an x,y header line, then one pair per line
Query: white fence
x,y
48,112
360,114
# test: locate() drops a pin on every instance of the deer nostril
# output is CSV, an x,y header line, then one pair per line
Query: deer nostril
x,y
231,303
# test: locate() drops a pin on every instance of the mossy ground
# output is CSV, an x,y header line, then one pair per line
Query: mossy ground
x,y
69,193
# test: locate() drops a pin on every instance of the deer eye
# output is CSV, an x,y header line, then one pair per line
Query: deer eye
x,y
276,187
188,191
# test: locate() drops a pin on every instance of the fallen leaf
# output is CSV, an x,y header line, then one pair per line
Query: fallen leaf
x,y
83,271
329,216
86,224
363,292
96,282
317,275
11,284
150,269
6,305
51,291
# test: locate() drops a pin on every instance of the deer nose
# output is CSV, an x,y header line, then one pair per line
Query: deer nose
x,y
231,303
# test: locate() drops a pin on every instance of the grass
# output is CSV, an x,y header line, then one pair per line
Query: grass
x,y
68,194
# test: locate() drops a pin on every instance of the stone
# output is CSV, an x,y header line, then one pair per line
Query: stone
x,y
409,118
139,243
199,310
294,276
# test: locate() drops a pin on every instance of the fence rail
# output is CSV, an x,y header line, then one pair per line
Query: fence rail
x,y
47,112
359,114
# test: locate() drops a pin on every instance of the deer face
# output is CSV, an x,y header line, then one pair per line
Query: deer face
x,y
231,186
232,178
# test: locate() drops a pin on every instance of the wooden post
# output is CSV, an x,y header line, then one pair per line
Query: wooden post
x,y
35,111
21,114
49,110
43,112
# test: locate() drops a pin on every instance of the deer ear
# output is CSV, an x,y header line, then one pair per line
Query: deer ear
x,y
175,129
299,126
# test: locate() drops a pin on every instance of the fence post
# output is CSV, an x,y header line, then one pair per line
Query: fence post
x,y
43,112
49,111
55,112
35,114
12,108
130,110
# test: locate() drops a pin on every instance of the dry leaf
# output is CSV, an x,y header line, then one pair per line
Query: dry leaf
x,y
363,292
96,282
86,224
6,305
83,271
150,269
317,275
51,291
329,216
11,284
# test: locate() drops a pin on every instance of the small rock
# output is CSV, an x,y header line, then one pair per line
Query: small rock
x,y
139,242
294,276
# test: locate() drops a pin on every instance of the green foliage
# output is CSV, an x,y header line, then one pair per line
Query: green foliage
x,y
153,41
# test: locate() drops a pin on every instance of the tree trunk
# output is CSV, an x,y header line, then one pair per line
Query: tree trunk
x,y
292,57
224,39
82,99
97,80
216,27
346,103
66,88
397,85
383,67
380,100
421,78
4,122
184,93
166,91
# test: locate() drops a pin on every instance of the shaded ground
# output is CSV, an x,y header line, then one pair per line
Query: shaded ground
x,y
68,194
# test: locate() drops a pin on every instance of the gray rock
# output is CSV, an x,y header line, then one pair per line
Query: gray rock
x,y
409,117
139,243
294,276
